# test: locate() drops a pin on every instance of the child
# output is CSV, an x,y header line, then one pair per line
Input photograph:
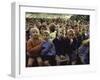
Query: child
x,y
48,50
52,27
71,45
34,46
85,33
78,36
59,43
83,52
43,27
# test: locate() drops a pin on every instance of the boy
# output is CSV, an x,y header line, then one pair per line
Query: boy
x,y
48,50
59,42
71,46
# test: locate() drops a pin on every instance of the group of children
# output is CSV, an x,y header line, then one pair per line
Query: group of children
x,y
54,44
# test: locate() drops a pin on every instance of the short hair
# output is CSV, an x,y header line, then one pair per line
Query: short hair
x,y
46,31
43,26
60,29
52,27
70,30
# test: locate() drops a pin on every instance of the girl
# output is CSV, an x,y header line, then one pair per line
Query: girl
x,y
34,46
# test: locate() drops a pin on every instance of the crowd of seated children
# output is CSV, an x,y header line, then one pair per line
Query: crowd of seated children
x,y
51,43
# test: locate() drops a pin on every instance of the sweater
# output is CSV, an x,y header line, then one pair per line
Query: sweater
x,y
60,46
48,49
71,47
34,47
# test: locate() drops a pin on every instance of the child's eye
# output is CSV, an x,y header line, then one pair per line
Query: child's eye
x,y
71,35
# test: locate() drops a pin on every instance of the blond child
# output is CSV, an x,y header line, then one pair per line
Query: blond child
x,y
34,46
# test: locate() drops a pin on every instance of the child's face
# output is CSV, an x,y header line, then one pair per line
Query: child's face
x,y
60,33
42,30
76,29
84,30
70,34
35,33
46,36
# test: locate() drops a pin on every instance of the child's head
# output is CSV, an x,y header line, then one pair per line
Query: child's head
x,y
70,33
43,27
59,32
52,27
84,29
34,33
46,35
76,29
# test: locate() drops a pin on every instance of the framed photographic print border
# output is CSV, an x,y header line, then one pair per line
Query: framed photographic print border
x,y
18,39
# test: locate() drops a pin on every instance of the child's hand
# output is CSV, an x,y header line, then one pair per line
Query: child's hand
x,y
42,42
62,57
57,58
46,63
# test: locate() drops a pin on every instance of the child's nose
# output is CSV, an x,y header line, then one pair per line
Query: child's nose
x,y
35,33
